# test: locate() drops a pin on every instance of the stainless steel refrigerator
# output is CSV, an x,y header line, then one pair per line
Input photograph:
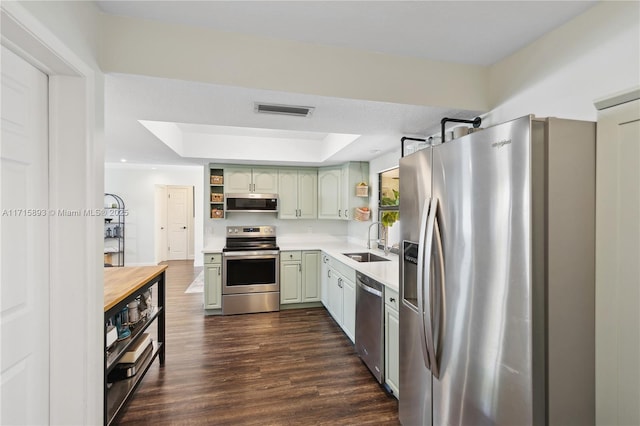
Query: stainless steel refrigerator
x,y
497,277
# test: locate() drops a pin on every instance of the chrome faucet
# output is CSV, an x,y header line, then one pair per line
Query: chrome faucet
x,y
369,234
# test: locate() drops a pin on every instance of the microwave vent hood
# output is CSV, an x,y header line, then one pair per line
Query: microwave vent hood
x,y
252,203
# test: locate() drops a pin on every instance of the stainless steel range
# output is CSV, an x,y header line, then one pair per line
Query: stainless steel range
x,y
250,276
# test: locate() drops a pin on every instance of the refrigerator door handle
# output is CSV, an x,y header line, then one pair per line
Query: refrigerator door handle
x,y
428,291
438,302
420,278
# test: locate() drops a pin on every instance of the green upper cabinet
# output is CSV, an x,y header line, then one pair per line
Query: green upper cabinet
x,y
329,180
245,180
338,196
298,193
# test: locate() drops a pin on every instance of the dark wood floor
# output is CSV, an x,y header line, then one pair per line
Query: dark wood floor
x,y
291,367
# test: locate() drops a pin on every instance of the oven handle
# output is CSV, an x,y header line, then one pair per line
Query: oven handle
x,y
252,254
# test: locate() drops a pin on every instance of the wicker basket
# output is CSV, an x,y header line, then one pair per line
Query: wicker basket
x,y
362,215
217,180
362,190
217,198
217,213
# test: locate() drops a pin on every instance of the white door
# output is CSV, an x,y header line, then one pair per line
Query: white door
x,y
618,265
178,208
160,223
24,264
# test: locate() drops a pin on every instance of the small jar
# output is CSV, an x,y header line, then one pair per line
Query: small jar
x,y
134,316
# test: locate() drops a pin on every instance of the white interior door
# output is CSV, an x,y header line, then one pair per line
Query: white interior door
x,y
160,223
178,212
24,260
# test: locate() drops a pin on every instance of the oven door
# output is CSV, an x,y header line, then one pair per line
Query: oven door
x,y
250,272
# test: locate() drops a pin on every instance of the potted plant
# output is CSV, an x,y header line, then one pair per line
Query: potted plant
x,y
388,218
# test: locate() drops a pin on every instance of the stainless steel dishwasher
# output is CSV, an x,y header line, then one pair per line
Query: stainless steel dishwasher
x,y
370,324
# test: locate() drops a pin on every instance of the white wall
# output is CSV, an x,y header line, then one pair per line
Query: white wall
x,y
131,46
136,185
563,72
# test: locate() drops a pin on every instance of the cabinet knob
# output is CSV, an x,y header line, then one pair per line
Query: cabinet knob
x,y
392,299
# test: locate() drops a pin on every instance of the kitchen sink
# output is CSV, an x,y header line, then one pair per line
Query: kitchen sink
x,y
365,257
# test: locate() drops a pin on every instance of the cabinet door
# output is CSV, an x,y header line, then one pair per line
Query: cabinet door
x,y
212,286
352,174
265,180
288,194
237,180
391,349
345,191
307,194
324,281
329,194
349,308
290,282
310,275
335,295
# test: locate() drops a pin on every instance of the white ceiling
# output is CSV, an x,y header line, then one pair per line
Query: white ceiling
x,y
472,32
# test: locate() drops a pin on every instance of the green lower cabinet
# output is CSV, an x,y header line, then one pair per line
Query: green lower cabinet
x,y
349,308
290,282
299,277
310,276
392,341
213,285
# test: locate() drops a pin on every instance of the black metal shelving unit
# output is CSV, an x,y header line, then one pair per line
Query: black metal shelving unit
x,y
114,230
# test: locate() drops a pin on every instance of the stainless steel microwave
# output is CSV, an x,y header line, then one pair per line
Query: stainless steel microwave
x,y
252,203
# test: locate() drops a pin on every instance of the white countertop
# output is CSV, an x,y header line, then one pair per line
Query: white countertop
x,y
385,272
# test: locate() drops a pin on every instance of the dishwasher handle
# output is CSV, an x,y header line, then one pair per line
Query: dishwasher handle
x,y
369,289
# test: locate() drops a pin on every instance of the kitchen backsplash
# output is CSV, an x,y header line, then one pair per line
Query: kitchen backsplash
x,y
215,229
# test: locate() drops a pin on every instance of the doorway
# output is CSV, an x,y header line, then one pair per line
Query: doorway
x,y
174,217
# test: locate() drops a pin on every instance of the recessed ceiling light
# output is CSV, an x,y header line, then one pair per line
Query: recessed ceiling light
x,y
123,160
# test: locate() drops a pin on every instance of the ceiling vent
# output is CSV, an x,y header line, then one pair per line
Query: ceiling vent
x,y
295,110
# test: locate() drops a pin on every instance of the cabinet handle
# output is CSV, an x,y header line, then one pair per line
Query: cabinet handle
x,y
346,213
392,299
329,273
340,282
219,268
300,267
339,213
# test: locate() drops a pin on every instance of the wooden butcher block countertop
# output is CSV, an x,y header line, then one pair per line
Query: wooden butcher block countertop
x,y
120,283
